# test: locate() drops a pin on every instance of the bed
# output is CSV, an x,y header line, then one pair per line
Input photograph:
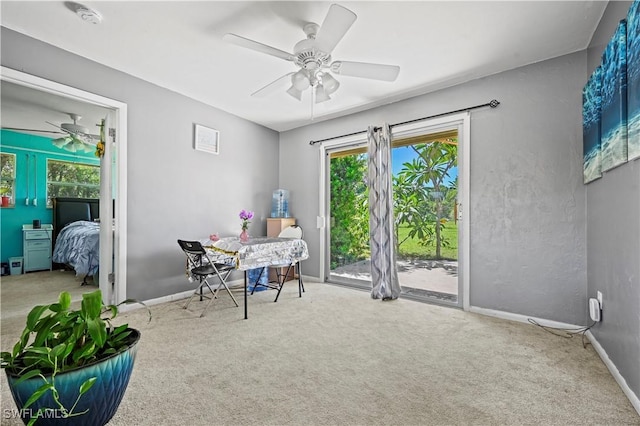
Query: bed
x,y
76,234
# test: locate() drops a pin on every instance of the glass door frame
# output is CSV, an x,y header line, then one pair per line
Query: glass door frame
x,y
462,123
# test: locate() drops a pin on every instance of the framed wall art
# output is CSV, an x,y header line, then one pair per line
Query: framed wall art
x,y
613,142
206,139
633,80
591,110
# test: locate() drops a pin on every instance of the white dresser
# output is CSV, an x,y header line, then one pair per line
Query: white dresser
x,y
36,249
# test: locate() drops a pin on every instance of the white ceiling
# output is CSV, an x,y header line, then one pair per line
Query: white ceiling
x,y
178,45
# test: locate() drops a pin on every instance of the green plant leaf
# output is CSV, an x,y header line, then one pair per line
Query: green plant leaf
x,y
19,346
70,343
55,307
38,350
7,359
87,385
130,301
119,338
86,351
114,311
58,350
119,329
44,329
92,304
65,300
27,376
37,394
97,330
34,315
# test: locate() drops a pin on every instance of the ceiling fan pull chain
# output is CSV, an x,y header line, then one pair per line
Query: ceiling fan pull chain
x,y
313,101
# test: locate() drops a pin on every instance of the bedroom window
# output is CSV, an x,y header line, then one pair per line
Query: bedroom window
x,y
8,179
67,179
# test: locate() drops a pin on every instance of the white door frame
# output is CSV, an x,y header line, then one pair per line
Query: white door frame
x,y
119,151
461,122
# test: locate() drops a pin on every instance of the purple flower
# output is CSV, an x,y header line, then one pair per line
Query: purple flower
x,y
245,216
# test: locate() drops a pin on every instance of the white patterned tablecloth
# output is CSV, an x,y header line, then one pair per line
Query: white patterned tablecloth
x,y
259,252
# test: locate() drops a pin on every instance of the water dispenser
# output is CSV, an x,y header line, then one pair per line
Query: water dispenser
x,y
280,203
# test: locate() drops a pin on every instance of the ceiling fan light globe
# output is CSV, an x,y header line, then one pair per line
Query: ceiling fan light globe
x,y
300,80
321,95
295,93
71,147
61,142
330,84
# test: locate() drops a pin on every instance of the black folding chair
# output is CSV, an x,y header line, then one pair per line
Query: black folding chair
x,y
203,268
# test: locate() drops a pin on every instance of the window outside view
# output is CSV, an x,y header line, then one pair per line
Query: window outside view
x,y
7,179
425,178
67,179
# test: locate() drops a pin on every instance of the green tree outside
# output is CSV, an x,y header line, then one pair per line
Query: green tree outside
x,y
423,201
424,205
66,179
349,208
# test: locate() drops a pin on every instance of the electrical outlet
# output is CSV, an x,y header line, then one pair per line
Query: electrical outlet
x,y
594,310
599,297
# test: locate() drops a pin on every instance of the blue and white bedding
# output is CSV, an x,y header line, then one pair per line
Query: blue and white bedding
x,y
78,245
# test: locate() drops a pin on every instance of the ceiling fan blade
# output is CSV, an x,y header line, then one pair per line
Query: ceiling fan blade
x,y
335,26
259,47
366,70
88,136
274,86
56,126
32,130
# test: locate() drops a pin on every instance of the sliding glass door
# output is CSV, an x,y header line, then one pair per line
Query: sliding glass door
x,y
425,185
348,201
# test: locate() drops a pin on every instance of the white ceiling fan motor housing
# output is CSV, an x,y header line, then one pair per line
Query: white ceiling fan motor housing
x,y
307,55
74,127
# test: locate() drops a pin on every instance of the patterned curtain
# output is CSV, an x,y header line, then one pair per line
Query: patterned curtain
x,y
384,275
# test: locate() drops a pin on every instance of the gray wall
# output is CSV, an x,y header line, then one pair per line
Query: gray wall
x,y
173,191
528,249
613,240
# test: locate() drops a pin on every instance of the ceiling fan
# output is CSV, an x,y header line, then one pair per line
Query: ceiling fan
x,y
313,56
78,137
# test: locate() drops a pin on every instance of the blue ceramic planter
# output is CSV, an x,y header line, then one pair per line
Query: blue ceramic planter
x,y
102,400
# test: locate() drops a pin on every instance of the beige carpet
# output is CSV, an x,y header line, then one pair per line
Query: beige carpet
x,y
336,356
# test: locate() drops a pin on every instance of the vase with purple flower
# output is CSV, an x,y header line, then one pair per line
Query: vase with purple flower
x,y
245,216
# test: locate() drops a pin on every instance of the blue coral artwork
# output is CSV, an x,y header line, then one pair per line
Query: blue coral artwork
x,y
613,142
633,80
591,109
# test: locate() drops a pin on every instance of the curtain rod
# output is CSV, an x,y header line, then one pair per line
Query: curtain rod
x,y
493,104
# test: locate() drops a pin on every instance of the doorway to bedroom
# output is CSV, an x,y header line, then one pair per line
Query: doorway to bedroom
x,y
112,199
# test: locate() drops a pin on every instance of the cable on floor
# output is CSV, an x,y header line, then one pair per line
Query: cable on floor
x,y
566,333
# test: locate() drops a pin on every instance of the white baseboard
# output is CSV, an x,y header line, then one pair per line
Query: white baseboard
x,y
521,318
234,284
633,398
156,301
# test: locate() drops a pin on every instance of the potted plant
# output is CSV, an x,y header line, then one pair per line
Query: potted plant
x,y
4,194
71,366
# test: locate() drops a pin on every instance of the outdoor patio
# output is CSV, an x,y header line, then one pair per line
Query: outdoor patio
x,y
431,278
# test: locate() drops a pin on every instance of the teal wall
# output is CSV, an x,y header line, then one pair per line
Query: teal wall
x,y
12,218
